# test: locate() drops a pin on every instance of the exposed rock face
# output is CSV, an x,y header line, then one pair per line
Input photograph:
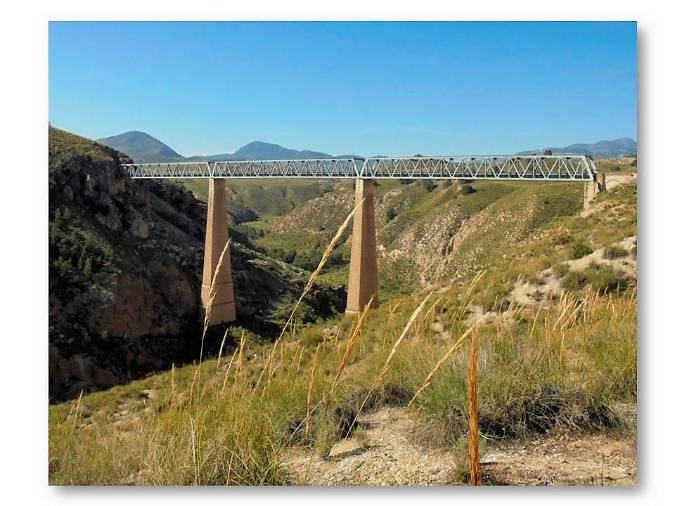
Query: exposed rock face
x,y
125,272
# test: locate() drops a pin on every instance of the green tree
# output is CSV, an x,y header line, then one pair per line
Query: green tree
x,y
87,267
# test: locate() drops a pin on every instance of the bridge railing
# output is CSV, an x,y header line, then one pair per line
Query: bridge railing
x,y
497,167
559,168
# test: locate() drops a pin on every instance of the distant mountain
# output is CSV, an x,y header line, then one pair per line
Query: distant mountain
x,y
142,147
258,150
618,147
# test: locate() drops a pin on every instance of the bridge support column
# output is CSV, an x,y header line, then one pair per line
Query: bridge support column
x,y
223,308
363,262
592,188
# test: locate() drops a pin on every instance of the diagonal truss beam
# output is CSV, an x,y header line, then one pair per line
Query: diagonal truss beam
x,y
493,167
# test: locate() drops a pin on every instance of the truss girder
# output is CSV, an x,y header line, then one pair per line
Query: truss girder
x,y
499,167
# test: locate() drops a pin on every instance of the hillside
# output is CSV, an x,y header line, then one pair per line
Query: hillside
x,y
601,149
125,271
258,150
338,403
425,231
141,147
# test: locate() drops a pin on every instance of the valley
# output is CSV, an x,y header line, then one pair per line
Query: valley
x,y
550,288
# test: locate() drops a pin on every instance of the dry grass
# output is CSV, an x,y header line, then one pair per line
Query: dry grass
x,y
310,389
308,286
212,295
563,364
392,352
472,394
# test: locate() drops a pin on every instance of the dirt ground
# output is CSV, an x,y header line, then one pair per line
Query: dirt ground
x,y
385,454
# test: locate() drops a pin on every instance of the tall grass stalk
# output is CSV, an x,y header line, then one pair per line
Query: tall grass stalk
x,y
220,351
394,348
308,286
212,297
351,341
472,389
310,389
457,344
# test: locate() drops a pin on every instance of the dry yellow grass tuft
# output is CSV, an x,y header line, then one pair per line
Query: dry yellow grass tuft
x,y
394,348
472,392
212,297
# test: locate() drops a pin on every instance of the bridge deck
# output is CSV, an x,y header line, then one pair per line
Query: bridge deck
x,y
495,167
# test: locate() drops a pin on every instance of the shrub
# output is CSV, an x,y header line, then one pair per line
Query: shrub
x,y
561,269
391,214
602,278
428,185
612,252
575,280
466,189
606,279
562,239
580,249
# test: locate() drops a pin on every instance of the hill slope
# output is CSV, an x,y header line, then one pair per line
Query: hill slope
x,y
425,231
142,147
125,272
610,149
557,383
259,150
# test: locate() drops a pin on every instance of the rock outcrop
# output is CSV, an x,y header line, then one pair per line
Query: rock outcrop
x,y
125,272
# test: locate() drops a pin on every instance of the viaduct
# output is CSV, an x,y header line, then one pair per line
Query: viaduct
x,y
363,263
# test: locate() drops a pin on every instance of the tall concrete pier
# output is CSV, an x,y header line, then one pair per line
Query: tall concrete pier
x,y
223,308
363,268
592,188
363,263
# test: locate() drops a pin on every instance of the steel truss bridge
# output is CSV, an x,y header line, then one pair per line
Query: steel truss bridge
x,y
494,167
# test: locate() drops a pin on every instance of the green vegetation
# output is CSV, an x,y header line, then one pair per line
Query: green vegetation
x,y
266,198
580,249
230,420
612,252
77,255
601,278
65,146
208,426
625,164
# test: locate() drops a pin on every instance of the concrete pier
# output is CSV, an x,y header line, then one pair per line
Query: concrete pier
x,y
363,263
592,188
223,308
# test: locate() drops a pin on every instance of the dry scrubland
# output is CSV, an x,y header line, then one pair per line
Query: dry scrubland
x,y
562,361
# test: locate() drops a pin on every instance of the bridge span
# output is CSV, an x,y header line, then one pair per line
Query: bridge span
x,y
363,262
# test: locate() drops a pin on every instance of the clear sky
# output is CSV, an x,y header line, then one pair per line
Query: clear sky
x,y
347,88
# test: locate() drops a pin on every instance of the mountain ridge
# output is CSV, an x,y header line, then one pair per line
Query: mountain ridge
x,y
142,147
622,146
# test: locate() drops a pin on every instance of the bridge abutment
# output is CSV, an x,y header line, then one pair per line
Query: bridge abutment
x,y
363,262
592,188
223,307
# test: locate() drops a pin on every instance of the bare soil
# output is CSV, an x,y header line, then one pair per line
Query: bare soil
x,y
388,453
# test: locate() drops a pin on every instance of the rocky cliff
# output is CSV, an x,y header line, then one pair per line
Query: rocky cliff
x,y
125,270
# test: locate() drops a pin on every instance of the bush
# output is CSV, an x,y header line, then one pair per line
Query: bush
x,y
428,185
561,269
466,189
575,280
391,214
606,279
562,239
612,252
602,278
580,249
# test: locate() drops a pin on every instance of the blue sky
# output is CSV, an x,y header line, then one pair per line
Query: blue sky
x,y
347,88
